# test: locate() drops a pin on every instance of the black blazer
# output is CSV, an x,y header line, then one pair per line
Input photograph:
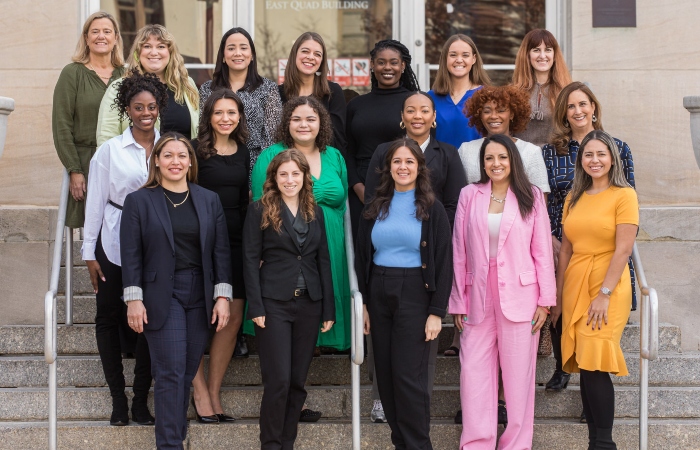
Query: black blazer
x,y
435,255
148,249
282,258
447,175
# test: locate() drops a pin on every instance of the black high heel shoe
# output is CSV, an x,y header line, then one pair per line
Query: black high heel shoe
x,y
204,419
559,381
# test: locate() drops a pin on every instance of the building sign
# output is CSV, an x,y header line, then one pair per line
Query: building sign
x,y
614,13
342,71
360,72
281,67
295,5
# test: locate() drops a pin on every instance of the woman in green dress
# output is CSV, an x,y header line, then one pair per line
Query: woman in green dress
x,y
79,90
306,126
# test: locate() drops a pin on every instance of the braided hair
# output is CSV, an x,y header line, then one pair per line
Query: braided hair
x,y
408,78
134,84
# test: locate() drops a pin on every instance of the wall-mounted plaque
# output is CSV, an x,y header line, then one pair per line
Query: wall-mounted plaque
x,y
614,13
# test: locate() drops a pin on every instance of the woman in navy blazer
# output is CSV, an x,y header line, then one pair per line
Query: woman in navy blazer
x,y
289,286
503,288
176,275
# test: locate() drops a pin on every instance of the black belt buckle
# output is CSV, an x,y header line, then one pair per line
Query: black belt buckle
x,y
299,292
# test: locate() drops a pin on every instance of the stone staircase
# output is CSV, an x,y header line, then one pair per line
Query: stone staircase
x,y
84,404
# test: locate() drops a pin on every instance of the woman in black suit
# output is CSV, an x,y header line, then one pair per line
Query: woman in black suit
x,y
289,288
404,249
176,269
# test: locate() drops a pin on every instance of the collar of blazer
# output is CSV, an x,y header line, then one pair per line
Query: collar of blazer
x,y
161,208
432,150
289,226
510,211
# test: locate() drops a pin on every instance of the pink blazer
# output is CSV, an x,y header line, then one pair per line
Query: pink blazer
x,y
524,258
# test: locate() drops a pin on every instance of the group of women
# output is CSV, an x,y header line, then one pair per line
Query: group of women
x,y
204,206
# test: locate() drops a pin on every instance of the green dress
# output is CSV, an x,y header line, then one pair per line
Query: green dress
x,y
331,193
76,102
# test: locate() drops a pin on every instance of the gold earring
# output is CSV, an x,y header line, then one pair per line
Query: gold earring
x,y
435,124
401,125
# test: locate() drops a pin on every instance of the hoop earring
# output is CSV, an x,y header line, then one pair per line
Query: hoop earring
x,y
595,119
401,125
434,125
566,123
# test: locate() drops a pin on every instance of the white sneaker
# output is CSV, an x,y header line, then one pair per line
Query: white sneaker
x,y
377,415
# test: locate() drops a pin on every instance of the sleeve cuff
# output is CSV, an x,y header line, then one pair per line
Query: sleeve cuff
x,y
132,293
223,290
440,312
88,251
546,303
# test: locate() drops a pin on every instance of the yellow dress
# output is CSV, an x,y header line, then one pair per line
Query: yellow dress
x,y
590,227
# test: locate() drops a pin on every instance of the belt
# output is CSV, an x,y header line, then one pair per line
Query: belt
x,y
300,292
119,207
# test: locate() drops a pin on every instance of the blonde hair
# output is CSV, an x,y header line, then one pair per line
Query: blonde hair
x,y
82,51
154,175
175,76
477,74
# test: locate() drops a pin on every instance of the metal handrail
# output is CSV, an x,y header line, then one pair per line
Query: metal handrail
x,y
357,348
50,314
648,343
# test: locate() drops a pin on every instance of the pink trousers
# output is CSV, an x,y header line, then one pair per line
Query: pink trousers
x,y
497,341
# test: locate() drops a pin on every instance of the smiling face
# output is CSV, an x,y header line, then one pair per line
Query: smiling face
x,y
387,66
237,53
496,119
579,112
596,159
290,179
460,59
541,58
225,116
496,162
309,57
143,111
154,56
304,125
418,116
173,162
101,37
404,169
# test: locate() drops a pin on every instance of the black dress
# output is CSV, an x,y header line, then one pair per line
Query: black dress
x,y
228,177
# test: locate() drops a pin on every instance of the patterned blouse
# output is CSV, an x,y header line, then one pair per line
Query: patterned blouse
x,y
263,113
560,171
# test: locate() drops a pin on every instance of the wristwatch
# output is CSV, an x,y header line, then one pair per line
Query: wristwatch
x,y
606,291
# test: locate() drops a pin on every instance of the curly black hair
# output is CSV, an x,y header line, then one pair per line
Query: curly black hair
x,y
134,84
408,78
325,132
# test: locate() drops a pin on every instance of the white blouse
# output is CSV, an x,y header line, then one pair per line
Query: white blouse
x,y
494,232
530,154
118,168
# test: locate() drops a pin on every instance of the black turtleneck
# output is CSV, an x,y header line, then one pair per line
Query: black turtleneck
x,y
372,119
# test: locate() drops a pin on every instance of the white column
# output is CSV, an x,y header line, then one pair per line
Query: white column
x,y
243,16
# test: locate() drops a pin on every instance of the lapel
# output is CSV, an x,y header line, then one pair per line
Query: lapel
x,y
161,209
510,211
431,151
200,205
481,209
289,226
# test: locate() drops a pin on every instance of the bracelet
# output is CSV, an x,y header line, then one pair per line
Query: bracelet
x,y
546,308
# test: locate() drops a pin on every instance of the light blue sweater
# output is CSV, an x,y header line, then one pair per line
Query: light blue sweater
x,y
396,239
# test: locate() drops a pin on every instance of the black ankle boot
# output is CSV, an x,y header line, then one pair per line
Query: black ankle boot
x,y
140,413
604,439
592,434
120,411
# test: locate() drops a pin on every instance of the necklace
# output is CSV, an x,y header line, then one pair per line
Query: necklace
x,y
497,200
175,205
98,74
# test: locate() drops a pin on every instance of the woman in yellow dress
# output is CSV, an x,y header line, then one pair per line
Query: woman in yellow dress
x,y
600,220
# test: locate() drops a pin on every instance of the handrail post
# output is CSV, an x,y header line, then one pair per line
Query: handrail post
x,y
69,276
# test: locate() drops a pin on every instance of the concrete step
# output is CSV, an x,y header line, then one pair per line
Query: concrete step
x,y
671,369
80,339
22,404
83,309
77,256
331,435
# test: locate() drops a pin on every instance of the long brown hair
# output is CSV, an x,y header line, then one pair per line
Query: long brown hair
x,y
378,209
219,78
562,128
154,175
271,199
519,183
292,77
583,181
82,51
477,74
175,76
206,136
524,74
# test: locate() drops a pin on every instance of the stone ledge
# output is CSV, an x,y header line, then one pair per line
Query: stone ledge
x,y
669,223
26,224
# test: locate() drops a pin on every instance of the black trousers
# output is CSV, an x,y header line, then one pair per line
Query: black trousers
x,y
286,347
556,342
110,319
398,310
176,350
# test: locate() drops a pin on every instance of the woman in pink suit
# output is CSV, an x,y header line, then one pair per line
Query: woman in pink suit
x,y
503,288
